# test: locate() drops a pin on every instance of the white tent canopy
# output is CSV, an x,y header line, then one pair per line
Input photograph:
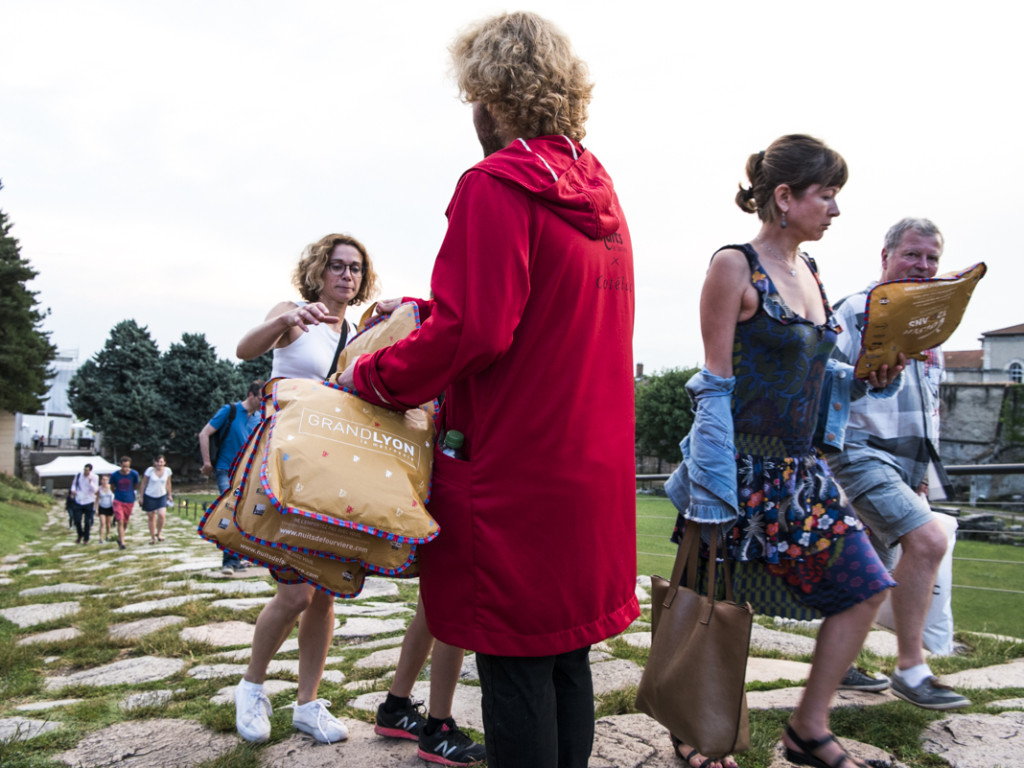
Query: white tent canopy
x,y
68,466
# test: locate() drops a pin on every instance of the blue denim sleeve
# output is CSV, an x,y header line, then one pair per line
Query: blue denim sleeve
x,y
703,488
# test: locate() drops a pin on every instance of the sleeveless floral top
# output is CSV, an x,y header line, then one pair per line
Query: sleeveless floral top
x,y
791,506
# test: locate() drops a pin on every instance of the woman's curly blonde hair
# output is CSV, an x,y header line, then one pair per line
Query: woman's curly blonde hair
x,y
308,276
523,69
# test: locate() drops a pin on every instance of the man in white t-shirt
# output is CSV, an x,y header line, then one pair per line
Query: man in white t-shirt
x,y
83,498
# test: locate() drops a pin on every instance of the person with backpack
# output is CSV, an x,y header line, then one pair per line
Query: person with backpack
x,y
222,439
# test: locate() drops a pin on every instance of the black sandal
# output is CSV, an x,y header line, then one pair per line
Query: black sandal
x,y
807,747
677,743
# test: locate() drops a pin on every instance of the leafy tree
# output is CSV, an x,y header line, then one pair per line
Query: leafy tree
x,y
257,368
25,350
193,385
663,413
119,391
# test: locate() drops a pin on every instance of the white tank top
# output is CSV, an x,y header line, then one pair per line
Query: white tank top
x,y
310,356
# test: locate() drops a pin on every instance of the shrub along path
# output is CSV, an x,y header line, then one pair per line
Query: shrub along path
x,y
111,657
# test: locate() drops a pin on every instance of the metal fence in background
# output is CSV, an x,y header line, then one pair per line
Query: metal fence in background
x,y
1006,525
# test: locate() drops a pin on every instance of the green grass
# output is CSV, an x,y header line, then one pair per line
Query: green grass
x,y
976,565
894,727
655,518
22,513
976,570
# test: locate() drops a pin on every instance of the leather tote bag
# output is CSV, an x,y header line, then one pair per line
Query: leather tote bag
x,y
693,683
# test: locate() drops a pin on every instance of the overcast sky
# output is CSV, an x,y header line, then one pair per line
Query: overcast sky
x,y
168,161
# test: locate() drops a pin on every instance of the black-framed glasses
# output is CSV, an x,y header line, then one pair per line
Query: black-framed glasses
x,y
339,267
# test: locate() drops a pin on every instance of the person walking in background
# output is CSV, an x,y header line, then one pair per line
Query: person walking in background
x,y
124,483
306,337
233,422
83,500
768,331
155,492
883,461
528,332
105,507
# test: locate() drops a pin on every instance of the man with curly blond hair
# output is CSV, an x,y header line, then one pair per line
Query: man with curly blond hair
x,y
529,335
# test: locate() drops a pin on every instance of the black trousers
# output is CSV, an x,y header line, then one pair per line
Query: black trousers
x,y
82,516
538,710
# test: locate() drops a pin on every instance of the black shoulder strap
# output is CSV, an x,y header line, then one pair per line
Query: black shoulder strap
x,y
341,345
222,432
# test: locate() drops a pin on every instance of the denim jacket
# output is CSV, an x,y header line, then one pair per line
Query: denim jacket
x,y
837,392
703,488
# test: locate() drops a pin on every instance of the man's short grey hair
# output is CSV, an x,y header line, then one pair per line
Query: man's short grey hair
x,y
924,227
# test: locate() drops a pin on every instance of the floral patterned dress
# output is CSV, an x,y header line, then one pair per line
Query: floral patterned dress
x,y
794,517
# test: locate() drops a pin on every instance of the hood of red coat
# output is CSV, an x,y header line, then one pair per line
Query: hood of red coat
x,y
563,176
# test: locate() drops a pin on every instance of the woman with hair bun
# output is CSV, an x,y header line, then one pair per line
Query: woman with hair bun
x,y
768,330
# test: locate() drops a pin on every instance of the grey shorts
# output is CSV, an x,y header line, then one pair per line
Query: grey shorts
x,y
891,510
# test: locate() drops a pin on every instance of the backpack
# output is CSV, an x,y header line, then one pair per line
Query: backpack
x,y
217,438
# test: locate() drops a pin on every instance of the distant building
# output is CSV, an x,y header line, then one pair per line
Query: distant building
x,y
1000,359
54,421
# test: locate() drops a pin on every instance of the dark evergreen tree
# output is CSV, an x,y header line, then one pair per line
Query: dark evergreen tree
x,y
25,350
193,385
119,391
663,413
257,368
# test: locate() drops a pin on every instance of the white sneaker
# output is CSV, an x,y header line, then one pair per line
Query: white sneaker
x,y
314,719
252,712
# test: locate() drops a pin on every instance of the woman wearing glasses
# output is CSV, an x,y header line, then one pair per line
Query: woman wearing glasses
x,y
333,273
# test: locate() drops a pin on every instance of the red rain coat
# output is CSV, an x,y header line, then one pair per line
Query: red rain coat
x,y
529,334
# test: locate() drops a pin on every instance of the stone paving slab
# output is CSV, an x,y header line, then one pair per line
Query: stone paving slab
x,y
240,603
42,706
381,642
1007,704
1009,675
765,639
42,613
386,658
146,699
53,636
195,564
615,675
977,740
144,669
362,627
70,588
363,748
235,587
636,639
788,698
150,606
225,633
25,728
213,671
883,643
371,608
134,630
761,670
375,587
160,743
631,741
